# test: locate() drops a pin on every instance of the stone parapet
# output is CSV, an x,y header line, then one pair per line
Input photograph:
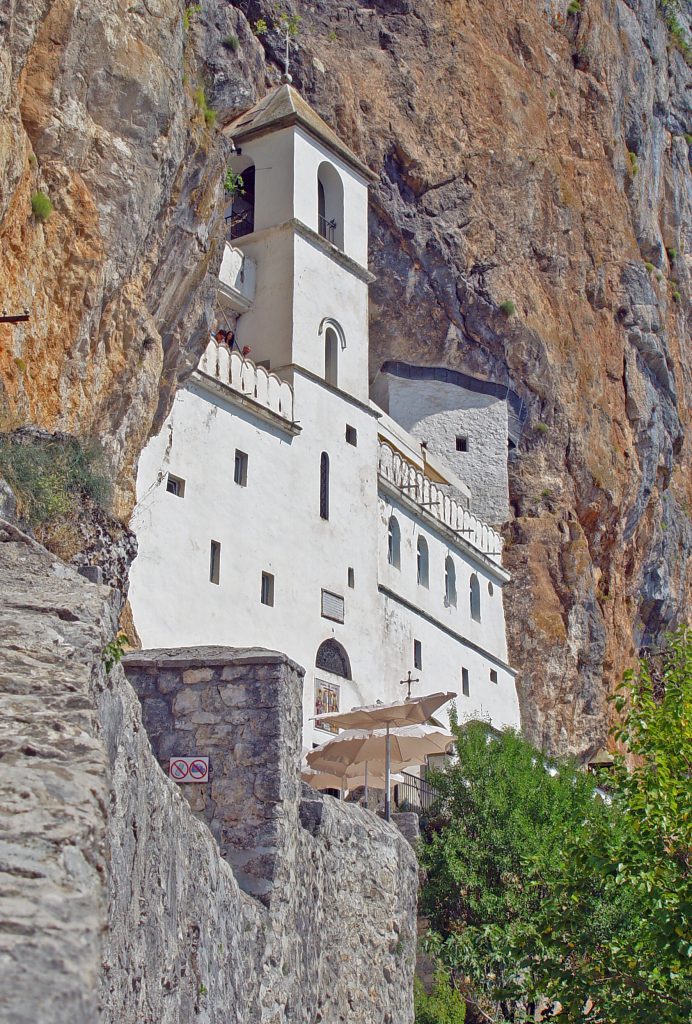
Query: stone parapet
x,y
241,708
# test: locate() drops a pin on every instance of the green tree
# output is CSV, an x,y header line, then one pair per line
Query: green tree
x,y
503,812
639,968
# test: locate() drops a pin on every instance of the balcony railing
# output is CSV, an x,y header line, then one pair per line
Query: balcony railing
x,y
414,484
414,794
243,376
327,228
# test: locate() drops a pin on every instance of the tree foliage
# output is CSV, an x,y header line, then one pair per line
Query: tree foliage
x,y
550,904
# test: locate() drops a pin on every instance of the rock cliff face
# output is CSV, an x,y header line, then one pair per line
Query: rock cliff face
x,y
528,155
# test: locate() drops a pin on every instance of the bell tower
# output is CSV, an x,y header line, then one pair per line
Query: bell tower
x,y
301,213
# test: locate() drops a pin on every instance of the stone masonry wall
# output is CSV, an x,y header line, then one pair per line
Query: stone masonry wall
x,y
115,906
241,708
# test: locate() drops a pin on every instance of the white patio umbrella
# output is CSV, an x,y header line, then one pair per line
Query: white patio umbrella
x,y
334,779
404,747
405,712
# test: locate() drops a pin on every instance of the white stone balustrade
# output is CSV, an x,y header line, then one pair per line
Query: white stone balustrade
x,y
243,376
413,483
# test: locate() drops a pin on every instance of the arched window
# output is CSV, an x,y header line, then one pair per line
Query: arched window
x,y
331,357
332,657
240,199
475,598
450,583
324,486
393,543
422,562
330,204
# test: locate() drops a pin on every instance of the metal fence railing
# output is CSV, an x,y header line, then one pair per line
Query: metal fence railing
x,y
414,794
327,228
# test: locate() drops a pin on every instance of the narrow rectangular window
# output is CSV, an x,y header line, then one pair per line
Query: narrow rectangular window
x,y
417,654
214,561
351,578
324,486
462,444
175,485
267,589
493,675
465,681
351,435
240,468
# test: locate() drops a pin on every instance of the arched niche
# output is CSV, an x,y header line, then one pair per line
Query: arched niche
x,y
239,193
334,343
332,657
330,204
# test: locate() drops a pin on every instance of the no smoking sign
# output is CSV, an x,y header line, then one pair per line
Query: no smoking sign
x,y
189,769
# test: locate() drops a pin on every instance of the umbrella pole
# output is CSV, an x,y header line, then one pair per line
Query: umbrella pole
x,y
366,783
387,778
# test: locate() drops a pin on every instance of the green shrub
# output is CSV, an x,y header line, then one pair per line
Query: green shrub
x,y
32,159
508,308
574,7
231,42
672,254
444,1005
233,184
688,139
200,98
261,27
633,163
649,267
676,295
189,13
48,474
41,206
542,428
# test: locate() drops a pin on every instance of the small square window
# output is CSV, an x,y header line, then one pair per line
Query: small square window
x,y
417,654
175,485
465,682
351,578
351,435
332,606
493,675
267,590
462,444
240,468
214,562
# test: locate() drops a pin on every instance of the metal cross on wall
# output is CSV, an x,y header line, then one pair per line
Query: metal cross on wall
x,y
407,682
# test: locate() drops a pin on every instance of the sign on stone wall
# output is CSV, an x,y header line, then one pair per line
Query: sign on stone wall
x,y
189,769
326,701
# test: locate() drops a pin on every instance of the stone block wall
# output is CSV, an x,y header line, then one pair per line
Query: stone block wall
x,y
241,708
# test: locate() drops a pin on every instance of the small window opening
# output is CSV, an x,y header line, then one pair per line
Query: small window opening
x,y
330,204
465,682
394,543
175,485
214,561
417,654
240,468
351,578
491,589
422,562
324,486
267,589
462,444
493,675
351,435
240,214
450,583
475,598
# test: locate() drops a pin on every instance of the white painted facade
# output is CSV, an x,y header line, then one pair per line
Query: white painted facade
x,y
283,417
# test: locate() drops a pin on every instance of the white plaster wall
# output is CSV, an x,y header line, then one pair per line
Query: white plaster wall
x,y
273,524
308,155
324,288
489,633
436,412
273,157
267,327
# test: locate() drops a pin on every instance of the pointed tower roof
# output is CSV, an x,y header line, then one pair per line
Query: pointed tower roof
x,y
282,107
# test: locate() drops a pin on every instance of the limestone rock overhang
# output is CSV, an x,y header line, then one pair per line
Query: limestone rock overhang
x,y
283,107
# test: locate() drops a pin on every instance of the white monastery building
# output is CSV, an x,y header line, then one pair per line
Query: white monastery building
x,y
279,506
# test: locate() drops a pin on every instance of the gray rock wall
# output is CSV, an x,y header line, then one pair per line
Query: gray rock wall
x,y
115,905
